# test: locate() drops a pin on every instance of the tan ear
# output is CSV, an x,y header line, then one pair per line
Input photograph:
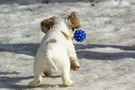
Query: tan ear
x,y
47,24
75,24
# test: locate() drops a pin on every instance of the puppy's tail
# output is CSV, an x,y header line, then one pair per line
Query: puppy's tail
x,y
50,60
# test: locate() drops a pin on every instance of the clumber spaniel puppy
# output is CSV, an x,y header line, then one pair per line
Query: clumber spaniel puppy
x,y
56,49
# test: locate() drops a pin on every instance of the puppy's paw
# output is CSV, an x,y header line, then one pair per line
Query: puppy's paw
x,y
74,66
34,84
69,83
47,73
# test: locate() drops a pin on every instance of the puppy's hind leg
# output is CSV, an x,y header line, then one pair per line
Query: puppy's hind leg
x,y
66,75
37,78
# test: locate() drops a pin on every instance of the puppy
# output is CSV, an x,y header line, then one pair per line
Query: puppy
x,y
47,24
57,51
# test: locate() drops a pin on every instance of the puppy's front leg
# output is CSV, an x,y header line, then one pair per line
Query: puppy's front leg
x,y
73,57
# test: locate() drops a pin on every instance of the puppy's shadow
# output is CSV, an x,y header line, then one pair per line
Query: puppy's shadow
x,y
54,75
51,85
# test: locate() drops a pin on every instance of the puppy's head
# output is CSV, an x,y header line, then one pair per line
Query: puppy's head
x,y
47,24
74,23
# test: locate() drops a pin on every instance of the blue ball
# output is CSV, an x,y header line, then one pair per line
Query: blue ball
x,y
79,35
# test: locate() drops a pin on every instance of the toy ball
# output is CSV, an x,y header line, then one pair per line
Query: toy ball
x,y
79,35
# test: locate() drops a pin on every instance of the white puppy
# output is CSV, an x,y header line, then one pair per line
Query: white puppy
x,y
57,51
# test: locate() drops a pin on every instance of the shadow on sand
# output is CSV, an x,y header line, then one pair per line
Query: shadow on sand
x,y
12,82
26,2
126,53
31,49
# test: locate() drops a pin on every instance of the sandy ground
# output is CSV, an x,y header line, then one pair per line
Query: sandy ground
x,y
107,56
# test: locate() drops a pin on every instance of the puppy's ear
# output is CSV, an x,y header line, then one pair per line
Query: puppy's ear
x,y
47,24
75,24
